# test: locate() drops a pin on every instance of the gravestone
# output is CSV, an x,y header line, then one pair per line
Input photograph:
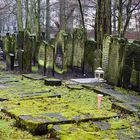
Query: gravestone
x,y
78,48
105,56
60,55
7,44
93,56
20,51
131,65
116,61
68,48
46,58
27,55
34,50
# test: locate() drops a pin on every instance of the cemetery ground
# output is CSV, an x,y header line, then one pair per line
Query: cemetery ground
x,y
30,110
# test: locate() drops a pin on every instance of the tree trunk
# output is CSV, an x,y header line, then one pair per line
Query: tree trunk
x,y
120,17
31,12
27,16
37,13
47,20
62,15
103,21
114,16
19,15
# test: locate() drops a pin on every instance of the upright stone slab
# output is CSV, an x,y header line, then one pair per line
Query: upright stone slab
x,y
27,55
20,41
92,56
131,65
116,61
34,50
78,47
45,58
60,55
13,50
105,54
7,46
68,48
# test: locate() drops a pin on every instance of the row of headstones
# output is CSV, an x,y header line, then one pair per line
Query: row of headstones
x,y
63,52
66,51
19,50
121,62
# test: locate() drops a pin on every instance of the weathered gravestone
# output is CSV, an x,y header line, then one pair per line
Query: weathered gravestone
x,y
45,58
60,55
105,55
93,56
27,55
78,48
116,61
34,50
20,51
7,44
131,65
9,50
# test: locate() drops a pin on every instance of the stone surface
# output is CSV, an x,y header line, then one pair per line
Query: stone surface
x,y
52,82
31,94
102,125
87,80
129,103
34,76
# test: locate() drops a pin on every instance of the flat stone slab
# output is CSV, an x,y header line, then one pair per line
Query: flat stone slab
x,y
74,86
128,102
87,80
7,80
31,94
52,82
37,124
128,108
34,76
95,130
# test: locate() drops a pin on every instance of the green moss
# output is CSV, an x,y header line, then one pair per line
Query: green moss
x,y
73,103
119,124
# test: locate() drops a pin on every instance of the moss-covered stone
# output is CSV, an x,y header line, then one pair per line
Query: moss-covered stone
x,y
116,61
93,56
105,54
78,47
27,54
